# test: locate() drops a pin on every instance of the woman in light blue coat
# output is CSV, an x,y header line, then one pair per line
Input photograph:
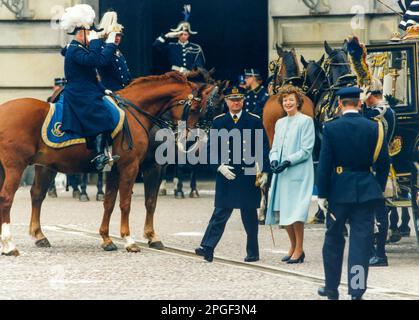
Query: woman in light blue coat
x,y
292,165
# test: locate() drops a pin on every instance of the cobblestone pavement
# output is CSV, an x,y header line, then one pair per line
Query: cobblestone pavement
x,y
77,268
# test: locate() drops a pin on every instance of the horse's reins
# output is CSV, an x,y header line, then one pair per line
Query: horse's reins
x,y
126,104
311,88
329,62
331,88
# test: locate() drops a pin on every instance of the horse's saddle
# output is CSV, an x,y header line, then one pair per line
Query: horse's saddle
x,y
57,139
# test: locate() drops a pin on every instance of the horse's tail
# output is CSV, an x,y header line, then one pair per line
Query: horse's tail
x,y
2,176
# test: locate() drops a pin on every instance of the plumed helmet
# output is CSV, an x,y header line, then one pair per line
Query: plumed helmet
x,y
78,17
109,23
185,25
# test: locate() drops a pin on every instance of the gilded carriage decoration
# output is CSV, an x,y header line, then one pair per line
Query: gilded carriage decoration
x,y
396,65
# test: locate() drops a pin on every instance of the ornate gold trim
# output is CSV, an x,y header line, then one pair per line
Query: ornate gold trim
x,y
73,142
379,140
118,128
45,136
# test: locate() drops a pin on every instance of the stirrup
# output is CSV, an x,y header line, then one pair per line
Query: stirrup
x,y
112,158
100,162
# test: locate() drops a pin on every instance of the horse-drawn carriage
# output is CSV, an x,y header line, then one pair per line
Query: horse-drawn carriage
x,y
396,65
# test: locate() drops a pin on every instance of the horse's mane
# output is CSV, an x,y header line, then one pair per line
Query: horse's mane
x,y
169,76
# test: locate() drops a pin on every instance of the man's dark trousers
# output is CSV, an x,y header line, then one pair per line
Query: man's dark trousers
x,y
361,221
217,225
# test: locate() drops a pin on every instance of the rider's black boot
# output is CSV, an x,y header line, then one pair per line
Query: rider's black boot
x,y
100,160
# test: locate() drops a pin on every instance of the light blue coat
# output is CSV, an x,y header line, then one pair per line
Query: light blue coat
x,y
291,191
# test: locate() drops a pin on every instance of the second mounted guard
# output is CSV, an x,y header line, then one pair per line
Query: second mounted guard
x,y
183,55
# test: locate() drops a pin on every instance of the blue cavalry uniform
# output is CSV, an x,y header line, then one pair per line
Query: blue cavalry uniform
x,y
84,112
182,56
240,193
256,98
384,113
350,146
116,74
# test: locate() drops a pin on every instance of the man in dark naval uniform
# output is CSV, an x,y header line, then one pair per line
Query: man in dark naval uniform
x,y
237,136
257,94
183,55
115,75
348,190
84,112
379,109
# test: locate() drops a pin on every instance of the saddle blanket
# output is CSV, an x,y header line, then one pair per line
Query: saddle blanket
x,y
55,138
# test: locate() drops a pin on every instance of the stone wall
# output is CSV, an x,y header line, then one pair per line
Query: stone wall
x,y
293,26
30,48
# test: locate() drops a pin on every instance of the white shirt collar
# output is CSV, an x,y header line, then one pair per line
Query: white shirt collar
x,y
183,43
350,111
238,114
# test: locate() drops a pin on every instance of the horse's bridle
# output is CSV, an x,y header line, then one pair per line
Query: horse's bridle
x,y
187,103
310,89
329,63
276,67
127,105
206,122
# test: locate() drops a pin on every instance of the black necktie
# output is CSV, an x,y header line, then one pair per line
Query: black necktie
x,y
235,118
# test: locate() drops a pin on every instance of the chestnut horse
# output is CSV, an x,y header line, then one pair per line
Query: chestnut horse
x,y
21,145
153,173
288,72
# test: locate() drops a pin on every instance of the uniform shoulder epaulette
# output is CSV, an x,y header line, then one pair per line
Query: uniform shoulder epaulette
x,y
255,115
219,116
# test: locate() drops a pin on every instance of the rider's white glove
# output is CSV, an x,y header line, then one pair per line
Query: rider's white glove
x,y
111,38
323,204
108,92
172,34
92,35
226,172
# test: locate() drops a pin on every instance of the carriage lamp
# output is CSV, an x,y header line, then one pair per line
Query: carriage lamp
x,y
19,7
394,73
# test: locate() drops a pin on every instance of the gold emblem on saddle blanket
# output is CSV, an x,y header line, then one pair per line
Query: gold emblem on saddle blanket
x,y
56,131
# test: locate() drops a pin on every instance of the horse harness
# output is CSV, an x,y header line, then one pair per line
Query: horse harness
x,y
127,106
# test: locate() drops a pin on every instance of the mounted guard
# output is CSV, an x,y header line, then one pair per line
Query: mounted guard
x,y
183,55
116,74
84,111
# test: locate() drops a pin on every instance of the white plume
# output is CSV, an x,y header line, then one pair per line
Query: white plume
x,y
109,23
79,16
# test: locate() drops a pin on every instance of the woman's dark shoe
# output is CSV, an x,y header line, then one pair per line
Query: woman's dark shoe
x,y
299,260
286,258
